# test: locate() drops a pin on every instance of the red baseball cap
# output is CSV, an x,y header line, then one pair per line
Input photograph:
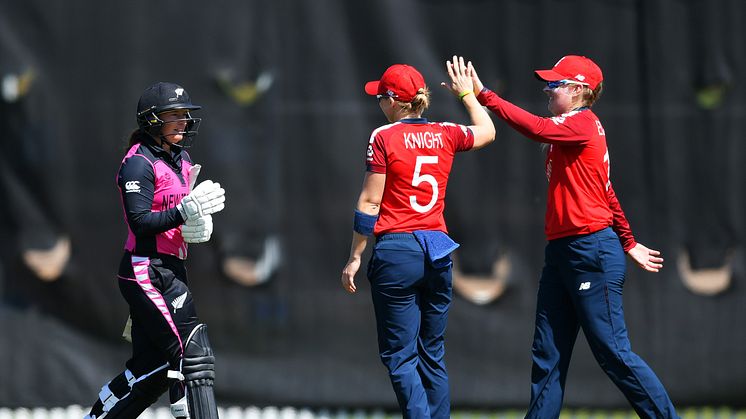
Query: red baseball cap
x,y
399,81
573,67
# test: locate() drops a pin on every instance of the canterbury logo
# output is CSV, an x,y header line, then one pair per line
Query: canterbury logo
x,y
178,302
132,186
584,286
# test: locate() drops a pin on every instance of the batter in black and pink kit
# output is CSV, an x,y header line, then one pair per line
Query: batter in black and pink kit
x,y
163,211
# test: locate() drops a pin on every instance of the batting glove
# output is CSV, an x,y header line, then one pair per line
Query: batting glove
x,y
197,230
207,198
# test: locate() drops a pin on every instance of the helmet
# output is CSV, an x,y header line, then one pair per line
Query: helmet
x,y
163,97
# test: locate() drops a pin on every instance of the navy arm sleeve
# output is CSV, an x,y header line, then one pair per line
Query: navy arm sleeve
x,y
136,182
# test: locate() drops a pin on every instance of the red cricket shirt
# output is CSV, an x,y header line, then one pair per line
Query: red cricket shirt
x,y
416,156
580,197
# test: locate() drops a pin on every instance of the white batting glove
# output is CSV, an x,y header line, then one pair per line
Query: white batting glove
x,y
197,230
207,198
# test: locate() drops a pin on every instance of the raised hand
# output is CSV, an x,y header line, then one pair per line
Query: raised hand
x,y
478,85
461,79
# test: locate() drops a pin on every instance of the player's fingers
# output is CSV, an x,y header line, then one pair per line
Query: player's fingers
x,y
459,69
654,252
656,260
461,65
456,68
650,265
449,67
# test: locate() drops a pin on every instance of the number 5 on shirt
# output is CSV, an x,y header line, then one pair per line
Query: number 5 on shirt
x,y
417,179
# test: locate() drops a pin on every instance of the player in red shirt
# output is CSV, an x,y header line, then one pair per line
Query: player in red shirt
x,y
401,203
583,277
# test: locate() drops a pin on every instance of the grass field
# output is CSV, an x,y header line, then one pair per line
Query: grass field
x,y
77,412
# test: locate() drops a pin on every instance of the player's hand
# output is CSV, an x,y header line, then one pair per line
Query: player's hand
x,y
478,85
197,230
461,80
207,198
645,258
348,274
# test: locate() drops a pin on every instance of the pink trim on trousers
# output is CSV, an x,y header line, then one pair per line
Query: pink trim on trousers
x,y
140,267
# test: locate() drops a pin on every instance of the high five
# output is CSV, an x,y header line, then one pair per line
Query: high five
x,y
583,277
401,204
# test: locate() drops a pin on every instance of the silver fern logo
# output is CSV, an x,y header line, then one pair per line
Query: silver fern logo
x,y
178,302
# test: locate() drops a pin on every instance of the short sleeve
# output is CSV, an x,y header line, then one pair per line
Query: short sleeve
x,y
376,154
461,135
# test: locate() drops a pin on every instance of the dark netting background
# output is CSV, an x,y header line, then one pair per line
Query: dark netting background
x,y
285,128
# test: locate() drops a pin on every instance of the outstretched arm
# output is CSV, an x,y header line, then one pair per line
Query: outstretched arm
x,y
462,86
554,130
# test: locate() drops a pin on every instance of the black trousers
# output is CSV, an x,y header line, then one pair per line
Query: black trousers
x,y
161,308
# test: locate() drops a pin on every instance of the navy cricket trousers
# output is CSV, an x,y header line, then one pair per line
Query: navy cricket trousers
x,y
411,301
581,286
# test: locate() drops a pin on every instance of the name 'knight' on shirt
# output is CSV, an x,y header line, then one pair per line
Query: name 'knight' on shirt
x,y
423,140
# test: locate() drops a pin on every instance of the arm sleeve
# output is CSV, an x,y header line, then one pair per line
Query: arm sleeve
x,y
461,135
376,154
136,182
555,130
620,225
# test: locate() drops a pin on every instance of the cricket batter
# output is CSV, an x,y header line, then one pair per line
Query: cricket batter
x,y
401,204
164,211
583,277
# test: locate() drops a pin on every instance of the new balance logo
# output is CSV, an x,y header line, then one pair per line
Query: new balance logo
x,y
179,301
132,186
584,286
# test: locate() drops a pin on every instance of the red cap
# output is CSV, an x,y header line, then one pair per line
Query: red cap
x,y
399,81
575,68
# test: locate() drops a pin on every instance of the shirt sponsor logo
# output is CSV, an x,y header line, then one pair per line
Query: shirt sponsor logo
x,y
584,286
132,186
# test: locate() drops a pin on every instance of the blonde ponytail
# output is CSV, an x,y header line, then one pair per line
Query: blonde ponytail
x,y
419,103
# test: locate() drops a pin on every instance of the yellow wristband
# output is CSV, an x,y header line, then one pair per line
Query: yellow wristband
x,y
463,94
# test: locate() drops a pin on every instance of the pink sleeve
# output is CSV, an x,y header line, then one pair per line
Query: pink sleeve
x,y
376,154
620,225
555,130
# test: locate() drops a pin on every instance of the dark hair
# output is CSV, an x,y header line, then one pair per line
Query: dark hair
x,y
136,137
